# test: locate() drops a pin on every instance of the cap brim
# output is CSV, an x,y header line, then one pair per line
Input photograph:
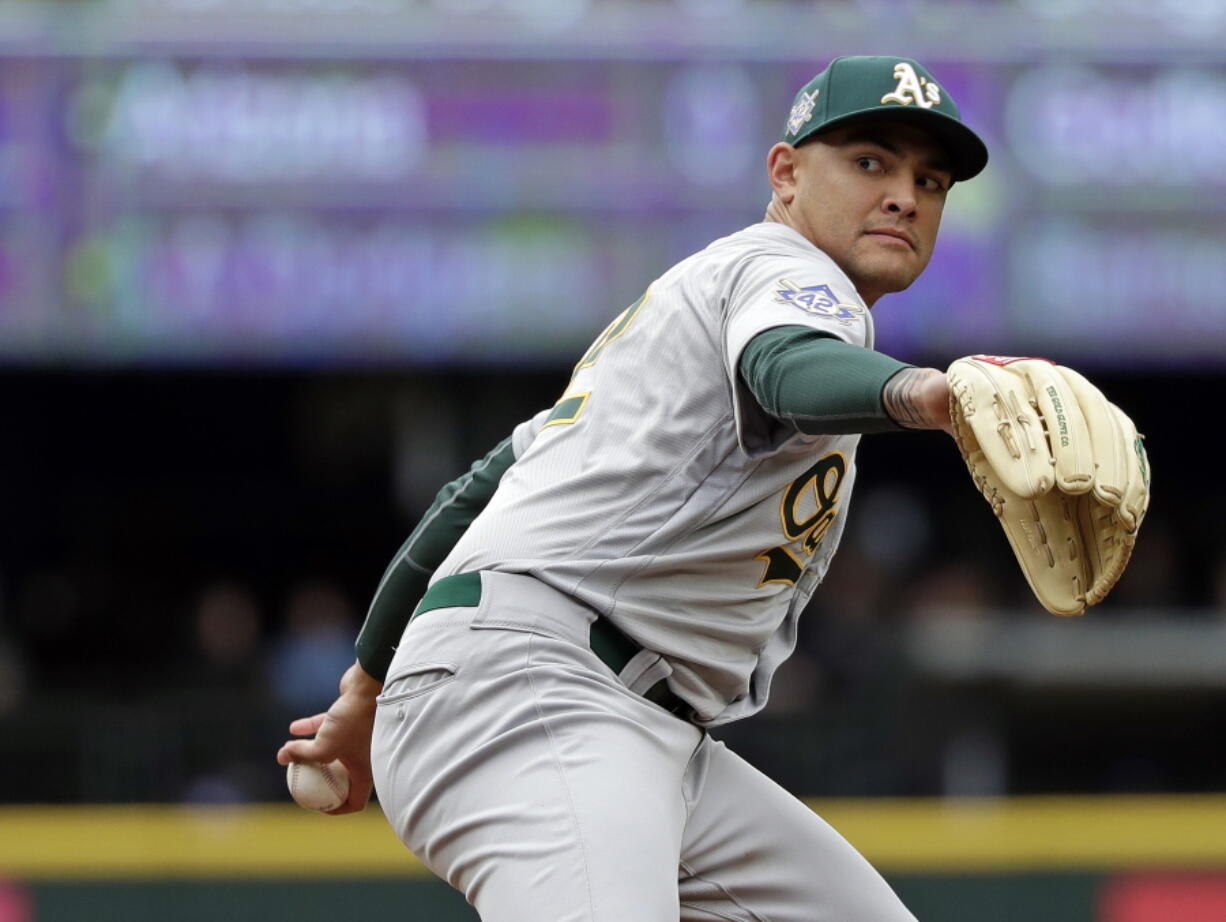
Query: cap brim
x,y
968,154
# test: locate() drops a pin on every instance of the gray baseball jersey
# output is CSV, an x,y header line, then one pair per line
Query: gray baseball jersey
x,y
658,493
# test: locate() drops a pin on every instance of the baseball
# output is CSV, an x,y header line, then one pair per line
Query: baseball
x,y
315,786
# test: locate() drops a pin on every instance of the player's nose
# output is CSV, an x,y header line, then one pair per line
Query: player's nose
x,y
900,195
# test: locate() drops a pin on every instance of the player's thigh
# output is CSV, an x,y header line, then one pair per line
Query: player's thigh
x,y
533,783
752,851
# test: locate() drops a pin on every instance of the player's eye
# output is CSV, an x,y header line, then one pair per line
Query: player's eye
x,y
932,184
869,164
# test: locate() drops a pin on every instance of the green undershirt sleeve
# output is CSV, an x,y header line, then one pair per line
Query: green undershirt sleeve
x,y
817,383
405,580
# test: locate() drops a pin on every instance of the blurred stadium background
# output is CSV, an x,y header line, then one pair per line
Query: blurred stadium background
x,y
271,271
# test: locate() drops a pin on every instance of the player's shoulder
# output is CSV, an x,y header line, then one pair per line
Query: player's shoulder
x,y
723,260
746,263
764,237
771,242
773,254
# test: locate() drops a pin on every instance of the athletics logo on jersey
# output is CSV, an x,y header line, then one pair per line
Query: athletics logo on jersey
x,y
807,509
817,300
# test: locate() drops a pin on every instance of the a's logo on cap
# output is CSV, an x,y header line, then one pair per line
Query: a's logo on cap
x,y
913,88
802,111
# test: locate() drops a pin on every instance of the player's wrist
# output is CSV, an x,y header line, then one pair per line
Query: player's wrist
x,y
359,683
918,398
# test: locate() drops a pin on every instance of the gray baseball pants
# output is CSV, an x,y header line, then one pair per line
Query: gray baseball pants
x,y
519,769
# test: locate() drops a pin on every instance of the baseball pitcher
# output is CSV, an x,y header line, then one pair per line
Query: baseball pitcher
x,y
545,654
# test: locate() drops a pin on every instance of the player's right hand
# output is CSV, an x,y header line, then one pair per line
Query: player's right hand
x,y
344,733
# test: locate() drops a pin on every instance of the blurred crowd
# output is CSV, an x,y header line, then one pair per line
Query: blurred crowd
x,y
198,714
171,599
205,707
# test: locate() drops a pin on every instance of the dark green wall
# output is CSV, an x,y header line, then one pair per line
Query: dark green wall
x,y
1050,897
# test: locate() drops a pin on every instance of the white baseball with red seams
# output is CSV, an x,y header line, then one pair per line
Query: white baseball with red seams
x,y
315,786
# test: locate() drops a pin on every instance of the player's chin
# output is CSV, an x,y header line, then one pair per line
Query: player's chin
x,y
890,275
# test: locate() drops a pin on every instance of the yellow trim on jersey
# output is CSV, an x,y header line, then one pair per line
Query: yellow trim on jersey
x,y
765,557
906,835
567,420
620,324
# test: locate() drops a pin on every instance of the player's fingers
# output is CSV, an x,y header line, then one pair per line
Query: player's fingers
x,y
360,787
307,726
305,751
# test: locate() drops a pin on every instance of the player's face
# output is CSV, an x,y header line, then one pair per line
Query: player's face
x,y
870,195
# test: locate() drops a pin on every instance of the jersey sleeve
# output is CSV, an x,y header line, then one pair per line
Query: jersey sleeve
x,y
526,432
771,291
817,384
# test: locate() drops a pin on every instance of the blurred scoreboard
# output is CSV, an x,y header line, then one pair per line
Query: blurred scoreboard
x,y
201,201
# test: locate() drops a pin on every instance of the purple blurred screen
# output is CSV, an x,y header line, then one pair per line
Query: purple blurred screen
x,y
324,211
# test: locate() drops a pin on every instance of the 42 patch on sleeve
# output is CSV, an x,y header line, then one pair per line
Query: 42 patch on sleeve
x,y
817,300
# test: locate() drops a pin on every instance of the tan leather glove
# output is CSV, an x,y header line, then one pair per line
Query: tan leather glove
x,y
1063,468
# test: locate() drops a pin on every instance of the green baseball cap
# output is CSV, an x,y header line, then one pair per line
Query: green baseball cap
x,y
863,87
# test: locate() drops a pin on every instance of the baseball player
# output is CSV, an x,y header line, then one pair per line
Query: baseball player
x,y
626,570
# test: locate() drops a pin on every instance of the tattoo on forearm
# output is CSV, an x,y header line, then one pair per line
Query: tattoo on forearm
x,y
900,397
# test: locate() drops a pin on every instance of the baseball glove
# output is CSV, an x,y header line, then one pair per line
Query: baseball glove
x,y
1062,467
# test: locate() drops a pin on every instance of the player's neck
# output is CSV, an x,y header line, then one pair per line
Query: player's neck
x,y
777,213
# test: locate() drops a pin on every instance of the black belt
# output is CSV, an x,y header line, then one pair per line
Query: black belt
x,y
611,646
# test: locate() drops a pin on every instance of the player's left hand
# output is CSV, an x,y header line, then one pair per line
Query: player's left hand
x,y
344,733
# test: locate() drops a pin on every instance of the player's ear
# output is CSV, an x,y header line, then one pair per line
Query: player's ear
x,y
781,162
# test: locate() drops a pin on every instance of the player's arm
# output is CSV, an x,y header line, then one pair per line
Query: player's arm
x,y
821,385
344,731
406,578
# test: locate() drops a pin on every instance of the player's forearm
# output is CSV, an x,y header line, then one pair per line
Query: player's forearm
x,y
918,398
819,384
